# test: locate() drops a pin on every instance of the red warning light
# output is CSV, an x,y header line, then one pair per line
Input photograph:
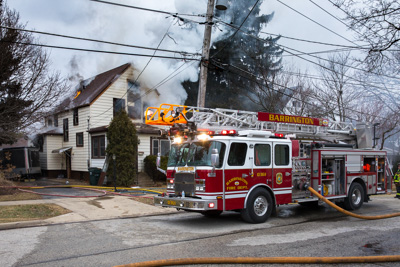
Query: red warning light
x,y
279,135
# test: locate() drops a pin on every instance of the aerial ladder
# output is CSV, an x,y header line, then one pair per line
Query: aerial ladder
x,y
198,118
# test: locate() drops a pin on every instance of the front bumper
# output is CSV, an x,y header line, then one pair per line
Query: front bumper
x,y
185,203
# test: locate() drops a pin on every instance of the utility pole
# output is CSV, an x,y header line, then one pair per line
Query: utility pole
x,y
201,97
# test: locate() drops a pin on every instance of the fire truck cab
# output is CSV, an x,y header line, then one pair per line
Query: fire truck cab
x,y
253,170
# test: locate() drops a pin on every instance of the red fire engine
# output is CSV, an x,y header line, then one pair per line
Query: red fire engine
x,y
251,162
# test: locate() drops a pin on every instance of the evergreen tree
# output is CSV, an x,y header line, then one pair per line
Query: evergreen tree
x,y
228,86
122,142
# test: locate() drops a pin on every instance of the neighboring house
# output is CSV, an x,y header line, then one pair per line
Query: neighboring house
x,y
75,137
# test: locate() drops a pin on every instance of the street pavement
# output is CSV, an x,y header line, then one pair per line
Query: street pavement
x,y
89,207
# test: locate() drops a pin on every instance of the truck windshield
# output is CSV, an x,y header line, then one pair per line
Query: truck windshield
x,y
195,154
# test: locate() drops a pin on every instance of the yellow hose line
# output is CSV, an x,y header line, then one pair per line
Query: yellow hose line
x,y
266,260
312,190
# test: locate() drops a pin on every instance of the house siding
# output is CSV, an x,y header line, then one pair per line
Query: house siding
x,y
144,147
101,110
54,161
79,155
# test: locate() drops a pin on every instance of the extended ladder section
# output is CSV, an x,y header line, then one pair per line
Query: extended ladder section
x,y
213,119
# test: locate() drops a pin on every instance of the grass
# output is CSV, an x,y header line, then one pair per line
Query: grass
x,y
30,212
144,200
18,195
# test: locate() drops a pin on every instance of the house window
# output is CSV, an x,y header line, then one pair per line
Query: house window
x,y
76,117
49,122
118,105
79,139
65,130
99,147
55,120
161,146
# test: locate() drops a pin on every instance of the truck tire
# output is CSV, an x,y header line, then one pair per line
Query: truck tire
x,y
258,207
355,198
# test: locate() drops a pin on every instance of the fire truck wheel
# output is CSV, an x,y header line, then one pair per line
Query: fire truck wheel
x,y
211,213
258,207
355,198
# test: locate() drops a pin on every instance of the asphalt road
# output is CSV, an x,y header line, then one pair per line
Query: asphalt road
x,y
296,231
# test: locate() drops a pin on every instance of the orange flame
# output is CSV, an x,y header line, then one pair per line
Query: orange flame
x,y
77,94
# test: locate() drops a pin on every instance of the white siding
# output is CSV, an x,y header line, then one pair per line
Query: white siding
x,y
79,158
79,155
101,111
54,161
144,147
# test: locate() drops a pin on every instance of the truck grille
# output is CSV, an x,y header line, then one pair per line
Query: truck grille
x,y
184,182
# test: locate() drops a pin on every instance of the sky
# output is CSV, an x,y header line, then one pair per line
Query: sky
x,y
84,18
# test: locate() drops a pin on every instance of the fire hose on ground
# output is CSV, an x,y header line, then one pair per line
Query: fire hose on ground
x,y
282,260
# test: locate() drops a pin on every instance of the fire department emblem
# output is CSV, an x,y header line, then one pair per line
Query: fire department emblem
x,y
279,178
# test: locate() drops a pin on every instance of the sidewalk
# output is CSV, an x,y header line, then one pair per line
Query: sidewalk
x,y
88,209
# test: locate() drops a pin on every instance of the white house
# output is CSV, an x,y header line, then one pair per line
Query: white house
x,y
75,137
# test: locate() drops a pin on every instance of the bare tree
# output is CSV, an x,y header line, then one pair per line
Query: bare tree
x,y
386,120
272,91
335,94
27,87
377,23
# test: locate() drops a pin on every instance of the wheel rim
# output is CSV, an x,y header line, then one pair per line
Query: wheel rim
x,y
356,196
260,206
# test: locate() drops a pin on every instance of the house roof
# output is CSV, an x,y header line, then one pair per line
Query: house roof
x,y
91,88
141,128
55,131
21,142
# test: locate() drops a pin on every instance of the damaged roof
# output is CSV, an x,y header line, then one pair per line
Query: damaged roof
x,y
90,89
141,128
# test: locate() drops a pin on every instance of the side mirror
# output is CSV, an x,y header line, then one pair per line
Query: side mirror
x,y
158,161
214,157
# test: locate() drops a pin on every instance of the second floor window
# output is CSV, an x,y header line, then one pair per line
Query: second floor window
x,y
76,117
65,130
55,120
79,139
118,105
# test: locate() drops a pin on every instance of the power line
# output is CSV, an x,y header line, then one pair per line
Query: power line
x,y
100,41
145,9
233,35
293,90
326,28
304,53
99,51
173,14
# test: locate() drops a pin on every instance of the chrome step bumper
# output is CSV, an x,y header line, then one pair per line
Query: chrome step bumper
x,y
185,203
